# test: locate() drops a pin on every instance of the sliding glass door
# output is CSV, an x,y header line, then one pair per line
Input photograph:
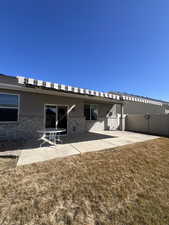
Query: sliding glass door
x,y
56,116
50,116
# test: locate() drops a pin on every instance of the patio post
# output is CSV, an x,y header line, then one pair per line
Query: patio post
x,y
122,119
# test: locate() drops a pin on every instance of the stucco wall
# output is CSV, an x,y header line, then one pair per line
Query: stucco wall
x,y
107,119
155,124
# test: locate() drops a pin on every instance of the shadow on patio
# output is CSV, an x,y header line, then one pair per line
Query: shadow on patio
x,y
88,136
16,145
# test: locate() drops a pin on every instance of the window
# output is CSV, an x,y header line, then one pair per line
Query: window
x,y
8,107
90,112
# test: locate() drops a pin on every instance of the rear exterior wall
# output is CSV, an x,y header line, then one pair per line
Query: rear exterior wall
x,y
31,116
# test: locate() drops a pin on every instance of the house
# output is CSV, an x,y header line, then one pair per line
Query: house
x,y
28,105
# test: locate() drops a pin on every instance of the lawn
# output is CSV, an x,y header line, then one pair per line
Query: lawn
x,y
7,163
128,186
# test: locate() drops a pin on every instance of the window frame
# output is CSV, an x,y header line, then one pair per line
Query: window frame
x,y
90,107
8,107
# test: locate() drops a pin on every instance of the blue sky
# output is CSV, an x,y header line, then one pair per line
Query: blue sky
x,y
104,45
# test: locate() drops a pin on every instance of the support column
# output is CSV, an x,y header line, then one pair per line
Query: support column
x,y
122,119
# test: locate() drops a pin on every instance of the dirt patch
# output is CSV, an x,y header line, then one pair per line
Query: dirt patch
x,y
123,187
7,162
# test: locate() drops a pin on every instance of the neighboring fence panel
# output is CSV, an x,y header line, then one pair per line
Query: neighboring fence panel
x,y
150,124
136,123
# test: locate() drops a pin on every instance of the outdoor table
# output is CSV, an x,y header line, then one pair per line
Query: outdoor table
x,y
51,135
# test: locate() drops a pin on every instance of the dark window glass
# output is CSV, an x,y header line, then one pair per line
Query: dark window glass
x,y
8,114
7,100
90,112
62,118
87,112
50,116
93,112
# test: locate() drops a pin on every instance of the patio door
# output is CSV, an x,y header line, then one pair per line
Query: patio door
x,y
56,116
51,116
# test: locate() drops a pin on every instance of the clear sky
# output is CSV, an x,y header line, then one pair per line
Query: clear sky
x,y
120,45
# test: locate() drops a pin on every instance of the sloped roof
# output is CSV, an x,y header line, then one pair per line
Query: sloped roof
x,y
134,95
116,96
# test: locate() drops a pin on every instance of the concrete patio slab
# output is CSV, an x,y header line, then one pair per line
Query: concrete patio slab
x,y
88,142
29,156
89,146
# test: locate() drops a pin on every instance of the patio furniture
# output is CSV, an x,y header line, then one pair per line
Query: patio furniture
x,y
51,136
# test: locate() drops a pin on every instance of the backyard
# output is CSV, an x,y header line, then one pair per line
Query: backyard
x,y
7,163
129,185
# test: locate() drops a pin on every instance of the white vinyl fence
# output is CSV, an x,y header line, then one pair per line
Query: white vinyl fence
x,y
150,123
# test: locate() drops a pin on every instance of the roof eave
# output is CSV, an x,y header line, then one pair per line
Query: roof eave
x,y
23,88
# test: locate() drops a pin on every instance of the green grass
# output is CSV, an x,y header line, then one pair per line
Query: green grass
x,y
123,187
